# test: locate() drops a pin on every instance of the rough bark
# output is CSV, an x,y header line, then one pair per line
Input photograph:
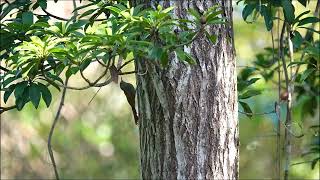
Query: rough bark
x,y
188,117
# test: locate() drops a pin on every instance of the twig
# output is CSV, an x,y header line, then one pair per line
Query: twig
x,y
301,163
86,79
257,114
52,129
74,10
102,64
288,115
94,84
126,73
277,110
54,16
4,109
124,64
62,18
94,95
108,81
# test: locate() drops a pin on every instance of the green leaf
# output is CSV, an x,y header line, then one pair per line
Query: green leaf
x,y
42,3
164,59
71,71
34,94
190,59
212,38
306,74
252,81
194,13
155,52
168,9
7,93
114,9
303,2
19,89
248,71
297,63
87,13
27,18
21,101
300,15
37,41
246,109
213,15
54,84
308,20
297,39
314,162
243,84
8,81
248,9
85,64
249,93
268,18
288,10
54,77
311,29
183,56
58,69
180,54
46,94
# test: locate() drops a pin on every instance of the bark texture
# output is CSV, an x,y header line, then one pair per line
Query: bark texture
x,y
188,115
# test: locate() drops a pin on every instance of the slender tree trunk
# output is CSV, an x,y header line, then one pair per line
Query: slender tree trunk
x,y
188,117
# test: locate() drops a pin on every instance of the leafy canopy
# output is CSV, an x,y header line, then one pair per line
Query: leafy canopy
x,y
37,52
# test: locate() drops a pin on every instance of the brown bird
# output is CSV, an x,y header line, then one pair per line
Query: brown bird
x,y
130,93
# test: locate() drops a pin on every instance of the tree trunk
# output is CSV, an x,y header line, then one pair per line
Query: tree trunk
x,y
188,114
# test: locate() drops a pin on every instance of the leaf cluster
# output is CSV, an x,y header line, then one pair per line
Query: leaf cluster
x,y
36,52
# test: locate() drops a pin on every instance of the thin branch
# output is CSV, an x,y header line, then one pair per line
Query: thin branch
x,y
277,110
301,163
54,16
95,94
94,84
108,81
102,64
124,64
126,73
4,109
86,79
74,9
52,129
289,103
62,18
257,114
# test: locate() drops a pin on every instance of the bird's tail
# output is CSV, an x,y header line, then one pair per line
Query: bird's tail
x,y
135,115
